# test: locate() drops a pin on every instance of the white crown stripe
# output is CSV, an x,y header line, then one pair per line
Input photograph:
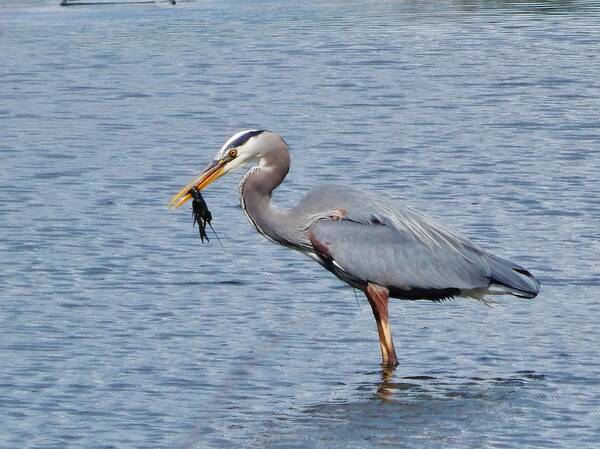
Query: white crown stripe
x,y
232,139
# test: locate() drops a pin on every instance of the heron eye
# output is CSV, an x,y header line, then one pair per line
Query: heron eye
x,y
233,153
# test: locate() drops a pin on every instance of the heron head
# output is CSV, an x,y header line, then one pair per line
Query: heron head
x,y
241,148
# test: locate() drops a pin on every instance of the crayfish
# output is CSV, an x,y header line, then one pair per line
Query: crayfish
x,y
201,214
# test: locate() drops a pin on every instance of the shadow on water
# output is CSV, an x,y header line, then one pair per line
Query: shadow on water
x,y
410,388
383,409
414,411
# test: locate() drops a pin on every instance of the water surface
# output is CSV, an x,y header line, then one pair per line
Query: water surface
x,y
120,329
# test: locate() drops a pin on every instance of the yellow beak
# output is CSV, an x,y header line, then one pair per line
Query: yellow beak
x,y
213,172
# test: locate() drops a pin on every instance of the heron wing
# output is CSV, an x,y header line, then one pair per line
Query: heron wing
x,y
378,253
377,240
367,208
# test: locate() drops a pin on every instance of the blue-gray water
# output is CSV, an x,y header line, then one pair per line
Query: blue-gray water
x,y
119,329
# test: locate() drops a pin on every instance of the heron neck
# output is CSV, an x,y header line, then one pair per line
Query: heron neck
x,y
255,193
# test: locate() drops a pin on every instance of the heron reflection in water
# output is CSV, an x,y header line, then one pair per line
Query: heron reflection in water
x,y
384,249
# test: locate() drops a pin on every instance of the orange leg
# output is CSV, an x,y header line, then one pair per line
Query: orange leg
x,y
378,298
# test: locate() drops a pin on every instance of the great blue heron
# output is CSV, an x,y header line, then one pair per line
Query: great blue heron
x,y
384,249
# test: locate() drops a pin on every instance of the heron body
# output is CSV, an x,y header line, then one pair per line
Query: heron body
x,y
382,248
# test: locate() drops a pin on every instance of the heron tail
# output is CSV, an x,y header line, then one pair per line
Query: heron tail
x,y
519,281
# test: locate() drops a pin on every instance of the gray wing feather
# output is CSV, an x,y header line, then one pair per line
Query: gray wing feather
x,y
365,207
382,255
398,247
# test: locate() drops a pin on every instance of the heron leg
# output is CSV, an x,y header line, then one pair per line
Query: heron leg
x,y
378,298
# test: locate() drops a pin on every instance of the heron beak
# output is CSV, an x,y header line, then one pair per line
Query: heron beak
x,y
213,172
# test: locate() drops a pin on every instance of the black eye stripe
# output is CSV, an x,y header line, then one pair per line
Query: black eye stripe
x,y
244,138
